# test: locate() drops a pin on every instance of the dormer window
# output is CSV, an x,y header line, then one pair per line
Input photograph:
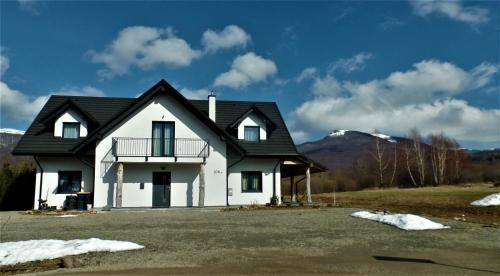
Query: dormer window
x,y
71,130
252,134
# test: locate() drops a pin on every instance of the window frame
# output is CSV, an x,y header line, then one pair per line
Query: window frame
x,y
71,123
251,127
72,175
260,178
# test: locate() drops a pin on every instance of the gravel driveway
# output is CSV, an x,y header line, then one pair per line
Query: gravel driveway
x,y
199,241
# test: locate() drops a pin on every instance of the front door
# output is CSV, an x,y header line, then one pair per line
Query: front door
x,y
161,189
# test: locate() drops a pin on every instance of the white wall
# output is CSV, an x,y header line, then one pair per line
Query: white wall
x,y
51,166
252,120
70,116
264,165
139,125
183,188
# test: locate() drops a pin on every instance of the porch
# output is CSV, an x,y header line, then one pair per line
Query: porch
x,y
298,170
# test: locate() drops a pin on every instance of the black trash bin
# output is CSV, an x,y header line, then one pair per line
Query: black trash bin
x,y
83,199
71,202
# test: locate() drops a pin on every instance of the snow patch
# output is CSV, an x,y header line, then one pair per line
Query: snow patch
x,y
67,216
27,251
402,221
491,200
11,131
340,132
383,136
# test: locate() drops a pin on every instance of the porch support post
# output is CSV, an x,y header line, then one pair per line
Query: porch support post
x,y
292,190
119,184
308,184
201,192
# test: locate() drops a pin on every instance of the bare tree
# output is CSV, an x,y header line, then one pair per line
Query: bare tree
x,y
378,155
440,145
394,164
419,153
409,161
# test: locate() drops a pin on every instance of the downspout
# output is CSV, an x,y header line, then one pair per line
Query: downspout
x,y
41,181
227,178
274,177
93,175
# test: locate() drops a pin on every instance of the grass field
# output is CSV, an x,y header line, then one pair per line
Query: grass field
x,y
451,202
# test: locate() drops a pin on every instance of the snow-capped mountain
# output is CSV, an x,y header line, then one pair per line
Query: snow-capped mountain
x,y
342,132
12,131
8,140
341,148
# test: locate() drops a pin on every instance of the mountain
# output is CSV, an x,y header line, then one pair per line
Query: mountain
x,y
8,140
341,148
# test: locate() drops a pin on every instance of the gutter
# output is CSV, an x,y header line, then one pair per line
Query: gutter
x,y
41,182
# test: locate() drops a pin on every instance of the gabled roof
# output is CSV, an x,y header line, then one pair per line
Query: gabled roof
x,y
161,87
49,119
254,110
108,112
279,142
40,140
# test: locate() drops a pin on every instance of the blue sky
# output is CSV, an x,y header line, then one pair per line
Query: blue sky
x,y
389,65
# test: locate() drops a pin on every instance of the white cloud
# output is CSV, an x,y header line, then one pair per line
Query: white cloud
x,y
354,63
421,97
245,70
452,9
18,106
146,48
195,94
307,73
4,63
299,136
33,7
230,36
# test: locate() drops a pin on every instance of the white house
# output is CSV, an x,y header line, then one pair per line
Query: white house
x,y
161,150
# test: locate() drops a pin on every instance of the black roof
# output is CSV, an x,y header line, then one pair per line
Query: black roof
x,y
105,111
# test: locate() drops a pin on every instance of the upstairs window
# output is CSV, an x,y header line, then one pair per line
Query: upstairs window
x,y
252,134
251,182
70,182
71,130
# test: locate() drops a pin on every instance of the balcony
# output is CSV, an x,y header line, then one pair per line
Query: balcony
x,y
157,147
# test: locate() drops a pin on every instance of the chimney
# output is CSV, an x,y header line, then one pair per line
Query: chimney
x,y
211,106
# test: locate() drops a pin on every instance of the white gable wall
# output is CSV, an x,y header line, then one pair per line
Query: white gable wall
x,y
252,120
139,125
70,116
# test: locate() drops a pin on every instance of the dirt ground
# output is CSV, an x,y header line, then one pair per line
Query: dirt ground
x,y
291,241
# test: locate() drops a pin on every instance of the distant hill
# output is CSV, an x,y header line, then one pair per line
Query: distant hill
x,y
8,140
341,148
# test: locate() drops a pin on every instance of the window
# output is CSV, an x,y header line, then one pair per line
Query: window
x,y
70,182
251,182
252,134
163,139
71,130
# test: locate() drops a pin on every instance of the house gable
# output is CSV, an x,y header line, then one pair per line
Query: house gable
x,y
162,87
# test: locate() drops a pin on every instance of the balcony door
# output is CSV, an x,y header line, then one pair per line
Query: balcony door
x,y
163,139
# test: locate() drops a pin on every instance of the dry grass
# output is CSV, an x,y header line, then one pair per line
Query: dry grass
x,y
451,202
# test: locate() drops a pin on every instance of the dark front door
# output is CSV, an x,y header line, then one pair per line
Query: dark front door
x,y
161,189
